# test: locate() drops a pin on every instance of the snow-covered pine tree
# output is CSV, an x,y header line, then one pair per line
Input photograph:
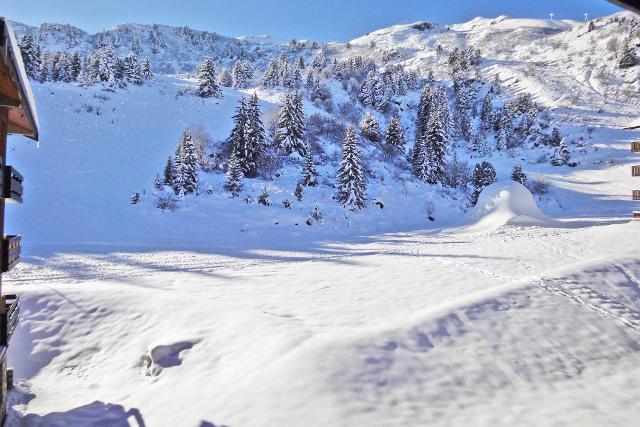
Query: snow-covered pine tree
x,y
157,183
486,113
436,143
207,84
424,111
626,57
370,128
495,85
43,73
351,180
296,78
505,134
309,172
271,77
310,82
465,98
300,63
186,165
106,62
145,69
135,198
75,66
263,198
298,191
484,174
556,137
290,128
132,71
233,183
394,136
241,74
64,72
256,138
226,80
55,67
518,175
561,155
29,57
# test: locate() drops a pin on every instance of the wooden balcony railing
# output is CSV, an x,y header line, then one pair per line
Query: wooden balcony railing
x,y
10,252
12,184
9,317
635,147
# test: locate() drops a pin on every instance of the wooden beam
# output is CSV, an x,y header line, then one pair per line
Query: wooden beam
x,y
5,101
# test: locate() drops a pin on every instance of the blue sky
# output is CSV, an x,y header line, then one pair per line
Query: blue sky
x,y
322,20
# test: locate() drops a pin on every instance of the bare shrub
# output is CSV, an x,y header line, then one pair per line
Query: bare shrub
x,y
538,185
203,145
269,164
166,202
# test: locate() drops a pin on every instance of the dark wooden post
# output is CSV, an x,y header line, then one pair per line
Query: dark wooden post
x,y
4,118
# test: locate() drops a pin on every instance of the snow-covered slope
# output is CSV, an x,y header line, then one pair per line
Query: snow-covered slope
x,y
229,313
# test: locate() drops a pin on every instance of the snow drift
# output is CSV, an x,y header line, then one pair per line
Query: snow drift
x,y
505,202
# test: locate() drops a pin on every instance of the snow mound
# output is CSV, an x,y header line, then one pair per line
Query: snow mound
x,y
506,202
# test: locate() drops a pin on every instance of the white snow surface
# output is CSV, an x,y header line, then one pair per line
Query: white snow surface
x,y
223,313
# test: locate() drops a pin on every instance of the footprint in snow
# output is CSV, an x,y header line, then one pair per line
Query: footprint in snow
x,y
163,356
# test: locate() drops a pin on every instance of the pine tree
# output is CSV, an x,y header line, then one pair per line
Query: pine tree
x,y
207,85
256,138
370,128
225,78
518,175
241,73
135,198
29,55
55,67
505,134
290,128
263,198
561,155
157,184
592,26
486,113
186,166
132,71
351,181
556,138
300,63
424,111
75,66
107,64
145,69
495,85
234,176
271,77
435,140
484,174
298,192
309,173
431,146
394,136
43,72
310,82
626,57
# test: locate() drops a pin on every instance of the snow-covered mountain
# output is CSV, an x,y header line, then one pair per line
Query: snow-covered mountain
x,y
418,309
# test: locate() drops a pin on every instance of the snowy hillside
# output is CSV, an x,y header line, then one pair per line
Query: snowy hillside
x,y
452,296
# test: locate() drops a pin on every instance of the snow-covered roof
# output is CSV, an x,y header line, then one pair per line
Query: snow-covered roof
x,y
22,116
